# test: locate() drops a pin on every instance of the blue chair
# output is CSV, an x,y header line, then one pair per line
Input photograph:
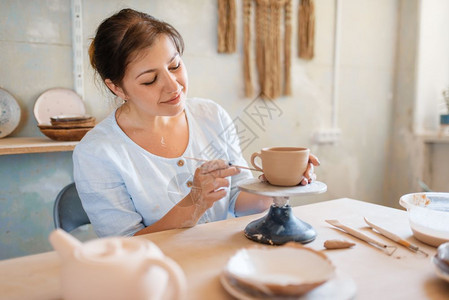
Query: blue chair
x,y
68,212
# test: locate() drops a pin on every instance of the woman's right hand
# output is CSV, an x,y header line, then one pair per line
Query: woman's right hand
x,y
209,182
208,186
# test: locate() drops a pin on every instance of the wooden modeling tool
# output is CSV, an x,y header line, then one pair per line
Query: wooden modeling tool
x,y
388,249
395,238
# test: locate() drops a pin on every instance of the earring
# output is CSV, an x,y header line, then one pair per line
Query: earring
x,y
119,101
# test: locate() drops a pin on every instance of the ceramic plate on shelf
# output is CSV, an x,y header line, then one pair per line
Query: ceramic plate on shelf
x,y
9,113
57,102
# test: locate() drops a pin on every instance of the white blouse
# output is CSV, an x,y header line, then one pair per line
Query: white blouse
x,y
125,188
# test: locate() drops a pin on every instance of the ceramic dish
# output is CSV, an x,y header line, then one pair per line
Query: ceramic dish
x,y
428,216
56,102
441,268
288,271
443,252
71,118
441,262
341,287
73,121
9,113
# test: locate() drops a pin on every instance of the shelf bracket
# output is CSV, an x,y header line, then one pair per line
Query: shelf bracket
x,y
77,46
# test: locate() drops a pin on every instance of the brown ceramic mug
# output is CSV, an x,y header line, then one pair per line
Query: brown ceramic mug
x,y
283,166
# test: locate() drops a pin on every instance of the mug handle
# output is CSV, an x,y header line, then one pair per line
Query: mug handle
x,y
253,161
175,273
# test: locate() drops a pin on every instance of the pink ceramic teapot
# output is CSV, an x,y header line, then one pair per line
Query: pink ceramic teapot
x,y
116,268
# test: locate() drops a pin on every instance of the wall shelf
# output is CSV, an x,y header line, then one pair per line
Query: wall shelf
x,y
21,145
434,138
434,163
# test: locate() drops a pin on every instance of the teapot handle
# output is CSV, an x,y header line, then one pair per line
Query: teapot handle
x,y
176,275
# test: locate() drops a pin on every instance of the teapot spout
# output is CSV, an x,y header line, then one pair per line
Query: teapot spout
x,y
64,243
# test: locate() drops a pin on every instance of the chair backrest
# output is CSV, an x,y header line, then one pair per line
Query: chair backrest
x,y
68,212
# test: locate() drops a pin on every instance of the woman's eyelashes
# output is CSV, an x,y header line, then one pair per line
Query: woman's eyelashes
x,y
176,66
172,68
150,82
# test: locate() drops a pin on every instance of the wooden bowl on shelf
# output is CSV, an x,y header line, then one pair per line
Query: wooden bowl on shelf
x,y
58,133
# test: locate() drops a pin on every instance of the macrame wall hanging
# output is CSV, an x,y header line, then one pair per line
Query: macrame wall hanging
x,y
306,29
272,46
267,31
226,26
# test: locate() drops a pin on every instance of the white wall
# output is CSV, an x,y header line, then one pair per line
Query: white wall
x,y
421,70
433,64
355,166
432,79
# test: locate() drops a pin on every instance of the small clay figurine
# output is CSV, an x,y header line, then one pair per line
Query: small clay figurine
x,y
338,244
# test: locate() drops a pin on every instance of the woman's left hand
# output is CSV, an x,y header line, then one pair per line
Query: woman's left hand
x,y
309,175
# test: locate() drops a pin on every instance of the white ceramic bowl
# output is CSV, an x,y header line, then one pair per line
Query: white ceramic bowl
x,y
428,216
279,271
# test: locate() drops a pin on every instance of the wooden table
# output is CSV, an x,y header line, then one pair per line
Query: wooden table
x,y
202,252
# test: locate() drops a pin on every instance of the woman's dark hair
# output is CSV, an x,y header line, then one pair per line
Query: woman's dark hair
x,y
120,37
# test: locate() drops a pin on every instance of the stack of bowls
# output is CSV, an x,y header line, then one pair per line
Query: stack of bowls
x,y
68,128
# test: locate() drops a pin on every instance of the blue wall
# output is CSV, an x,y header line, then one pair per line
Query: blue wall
x,y
35,55
29,184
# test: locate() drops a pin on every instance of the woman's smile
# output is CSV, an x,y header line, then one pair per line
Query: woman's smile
x,y
174,101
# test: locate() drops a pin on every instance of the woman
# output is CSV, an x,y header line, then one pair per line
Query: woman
x,y
131,171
